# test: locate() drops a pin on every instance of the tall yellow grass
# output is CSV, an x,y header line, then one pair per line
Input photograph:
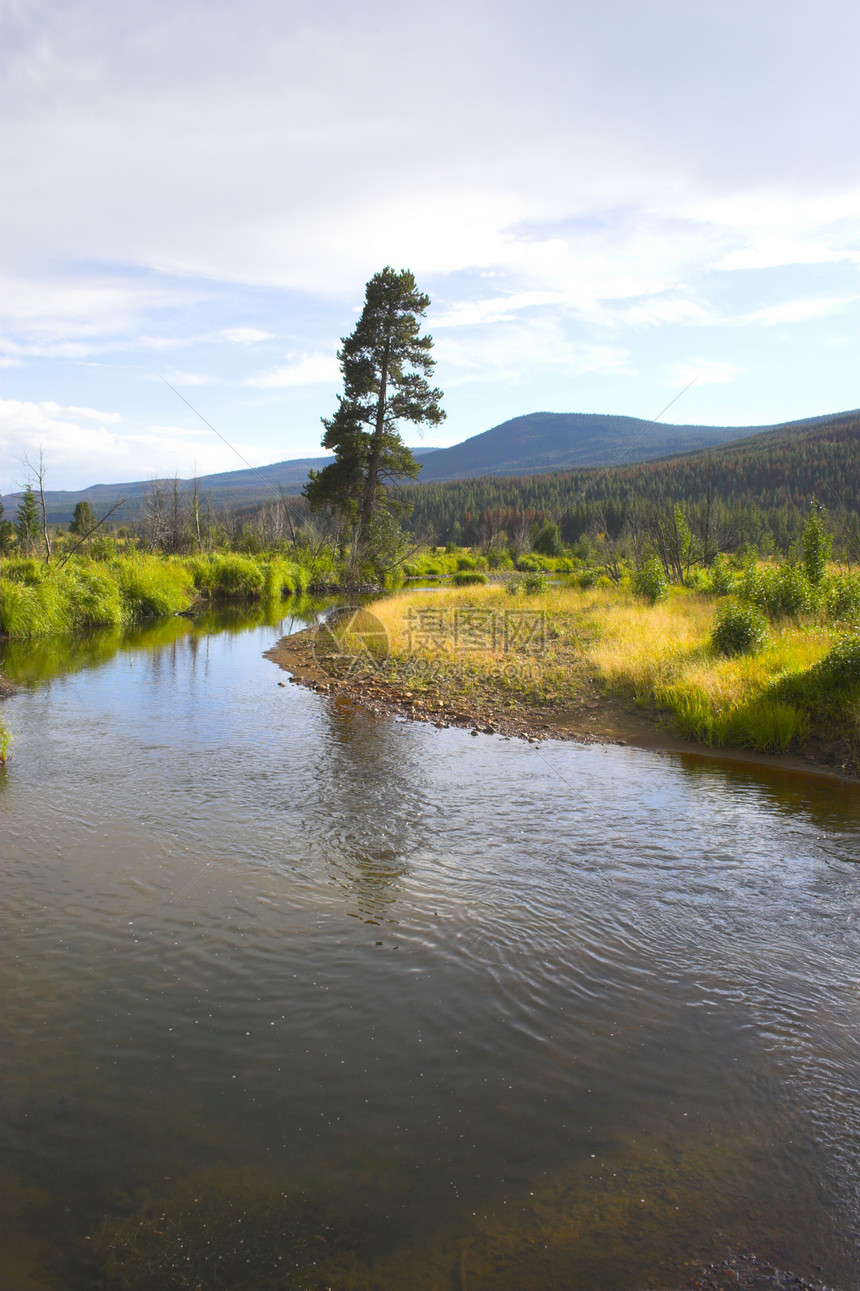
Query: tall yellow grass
x,y
660,655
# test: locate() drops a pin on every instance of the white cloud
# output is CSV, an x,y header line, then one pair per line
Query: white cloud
x,y
519,351
801,311
309,369
83,446
572,182
702,371
243,335
496,309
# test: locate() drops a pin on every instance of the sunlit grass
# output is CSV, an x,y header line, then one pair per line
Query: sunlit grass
x,y
40,600
660,655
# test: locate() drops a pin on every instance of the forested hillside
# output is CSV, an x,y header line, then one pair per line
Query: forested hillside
x,y
551,441
758,489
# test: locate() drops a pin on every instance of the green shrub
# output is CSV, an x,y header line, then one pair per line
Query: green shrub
x,y
465,562
650,581
534,583
739,629
465,577
842,597
722,578
784,592
816,543
498,558
102,547
698,580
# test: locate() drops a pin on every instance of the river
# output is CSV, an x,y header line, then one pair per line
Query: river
x,y
295,996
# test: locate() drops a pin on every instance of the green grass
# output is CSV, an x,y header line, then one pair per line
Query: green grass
x,y
38,600
801,683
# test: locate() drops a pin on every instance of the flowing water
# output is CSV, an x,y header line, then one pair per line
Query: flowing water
x,y
297,997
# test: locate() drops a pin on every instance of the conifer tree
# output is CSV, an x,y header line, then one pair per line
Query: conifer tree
x,y
385,363
27,519
83,519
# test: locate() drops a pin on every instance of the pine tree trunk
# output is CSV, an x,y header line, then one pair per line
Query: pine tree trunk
x,y
372,478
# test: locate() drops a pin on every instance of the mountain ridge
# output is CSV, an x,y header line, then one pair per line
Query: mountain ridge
x,y
532,444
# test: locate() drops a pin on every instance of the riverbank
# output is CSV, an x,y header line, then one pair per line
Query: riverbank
x,y
596,665
596,717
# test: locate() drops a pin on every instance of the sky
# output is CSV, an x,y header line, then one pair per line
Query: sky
x,y
603,201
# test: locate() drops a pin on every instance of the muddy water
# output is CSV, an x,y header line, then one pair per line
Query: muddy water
x,y
294,997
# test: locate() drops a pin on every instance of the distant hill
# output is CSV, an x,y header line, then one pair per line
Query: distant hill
x,y
766,480
226,489
553,441
536,444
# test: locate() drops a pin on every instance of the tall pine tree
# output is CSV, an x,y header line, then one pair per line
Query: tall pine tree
x,y
385,363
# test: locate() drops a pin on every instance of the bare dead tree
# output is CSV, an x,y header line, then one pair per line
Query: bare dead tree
x,y
37,472
194,510
154,513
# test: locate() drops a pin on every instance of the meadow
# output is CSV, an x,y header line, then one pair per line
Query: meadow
x,y
717,668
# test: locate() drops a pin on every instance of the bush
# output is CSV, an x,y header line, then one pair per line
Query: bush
x,y
534,583
816,543
102,547
784,592
498,558
465,577
722,579
650,581
842,597
698,580
739,629
465,562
